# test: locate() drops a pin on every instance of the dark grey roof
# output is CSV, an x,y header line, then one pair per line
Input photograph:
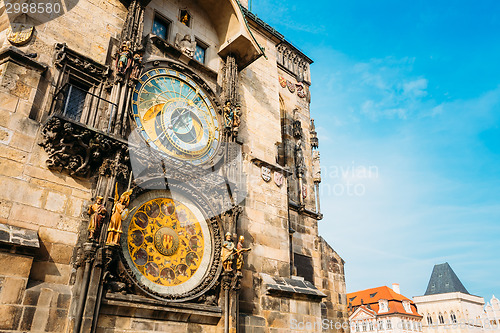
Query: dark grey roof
x,y
276,285
444,280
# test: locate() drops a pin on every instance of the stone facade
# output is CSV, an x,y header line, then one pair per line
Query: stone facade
x,y
65,134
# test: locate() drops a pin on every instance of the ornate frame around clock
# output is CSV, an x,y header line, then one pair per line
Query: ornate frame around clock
x,y
212,273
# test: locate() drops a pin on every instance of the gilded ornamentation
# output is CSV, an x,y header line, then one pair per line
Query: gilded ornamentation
x,y
228,251
97,213
120,212
239,253
20,34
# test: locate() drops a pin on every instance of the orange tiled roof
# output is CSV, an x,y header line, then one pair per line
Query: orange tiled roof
x,y
373,295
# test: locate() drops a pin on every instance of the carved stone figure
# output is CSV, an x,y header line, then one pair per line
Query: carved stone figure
x,y
124,58
228,115
236,121
316,167
120,212
136,65
228,253
299,158
97,213
239,253
185,45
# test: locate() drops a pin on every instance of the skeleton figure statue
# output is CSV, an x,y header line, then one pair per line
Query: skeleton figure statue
x,y
97,212
120,212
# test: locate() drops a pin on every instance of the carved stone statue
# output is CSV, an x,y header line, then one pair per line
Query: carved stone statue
x,y
228,253
236,121
97,213
299,158
120,212
136,65
185,45
239,253
124,58
316,167
228,115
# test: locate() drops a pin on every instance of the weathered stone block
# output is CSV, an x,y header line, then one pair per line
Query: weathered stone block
x,y
57,320
51,272
15,265
10,168
27,318
10,316
57,236
55,202
12,290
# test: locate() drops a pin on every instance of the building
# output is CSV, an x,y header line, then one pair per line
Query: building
x,y
382,309
140,139
492,313
447,306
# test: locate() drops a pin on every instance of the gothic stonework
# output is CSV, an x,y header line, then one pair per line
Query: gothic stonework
x,y
157,174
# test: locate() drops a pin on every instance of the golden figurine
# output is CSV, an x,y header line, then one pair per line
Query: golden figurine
x,y
227,253
239,253
97,213
120,212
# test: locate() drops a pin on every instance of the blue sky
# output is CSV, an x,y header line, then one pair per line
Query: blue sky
x,y
406,97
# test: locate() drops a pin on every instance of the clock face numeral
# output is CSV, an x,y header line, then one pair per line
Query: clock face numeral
x,y
176,116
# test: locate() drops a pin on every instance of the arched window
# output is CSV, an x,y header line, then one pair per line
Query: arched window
x,y
371,325
380,325
429,319
357,327
389,324
364,326
441,318
453,317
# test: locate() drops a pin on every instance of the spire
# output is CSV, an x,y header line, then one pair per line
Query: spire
x,y
444,280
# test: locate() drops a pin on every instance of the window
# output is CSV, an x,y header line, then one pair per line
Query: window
x,y
200,52
404,324
429,319
74,103
441,318
389,324
453,317
364,326
383,305
357,327
160,27
380,325
407,307
371,326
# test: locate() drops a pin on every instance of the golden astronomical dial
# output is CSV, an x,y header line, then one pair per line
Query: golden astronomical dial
x,y
176,116
168,245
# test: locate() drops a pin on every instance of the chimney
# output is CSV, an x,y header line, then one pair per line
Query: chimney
x,y
395,287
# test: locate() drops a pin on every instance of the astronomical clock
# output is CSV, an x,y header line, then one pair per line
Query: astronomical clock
x,y
176,116
171,243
